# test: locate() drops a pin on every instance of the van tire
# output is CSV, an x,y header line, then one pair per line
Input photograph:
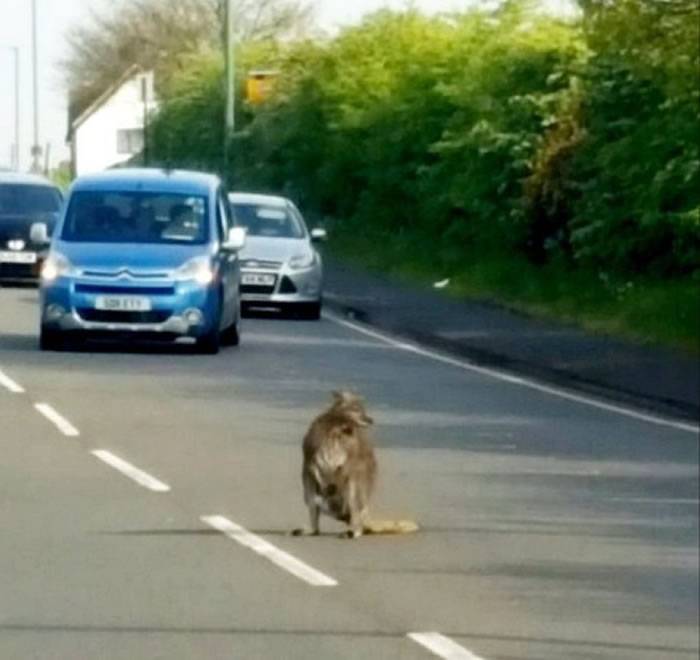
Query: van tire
x,y
210,343
50,340
232,335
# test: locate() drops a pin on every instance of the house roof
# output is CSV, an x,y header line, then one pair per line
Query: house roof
x,y
132,71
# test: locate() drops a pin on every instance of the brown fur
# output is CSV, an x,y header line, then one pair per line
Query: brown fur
x,y
339,470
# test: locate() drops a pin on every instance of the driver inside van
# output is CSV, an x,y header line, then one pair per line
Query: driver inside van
x,y
183,225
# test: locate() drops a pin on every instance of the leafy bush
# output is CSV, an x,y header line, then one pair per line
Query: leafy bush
x,y
496,133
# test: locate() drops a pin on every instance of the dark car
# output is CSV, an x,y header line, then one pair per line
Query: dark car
x,y
25,199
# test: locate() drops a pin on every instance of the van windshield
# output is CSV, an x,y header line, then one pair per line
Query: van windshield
x,y
136,217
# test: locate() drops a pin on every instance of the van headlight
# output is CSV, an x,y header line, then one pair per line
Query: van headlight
x,y
198,269
55,266
301,261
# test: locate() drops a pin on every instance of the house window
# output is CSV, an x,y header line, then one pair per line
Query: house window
x,y
129,140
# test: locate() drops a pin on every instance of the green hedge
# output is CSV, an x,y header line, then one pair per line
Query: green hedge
x,y
483,133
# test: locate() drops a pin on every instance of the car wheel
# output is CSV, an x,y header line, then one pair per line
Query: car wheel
x,y
310,311
50,340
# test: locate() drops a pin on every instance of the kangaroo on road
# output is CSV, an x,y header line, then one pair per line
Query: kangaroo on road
x,y
339,469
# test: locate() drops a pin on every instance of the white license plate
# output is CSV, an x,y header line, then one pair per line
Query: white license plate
x,y
18,257
258,279
123,303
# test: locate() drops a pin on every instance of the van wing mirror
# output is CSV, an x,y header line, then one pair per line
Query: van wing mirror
x,y
235,239
39,233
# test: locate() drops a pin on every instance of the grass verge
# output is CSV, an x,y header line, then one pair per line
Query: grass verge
x,y
663,312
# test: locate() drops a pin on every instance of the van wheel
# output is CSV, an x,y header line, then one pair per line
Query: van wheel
x,y
210,343
50,340
232,335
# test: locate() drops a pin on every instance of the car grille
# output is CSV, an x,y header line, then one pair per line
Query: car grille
x,y
19,270
126,290
258,264
103,316
257,288
287,286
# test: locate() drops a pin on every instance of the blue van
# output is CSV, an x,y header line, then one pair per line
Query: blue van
x,y
142,252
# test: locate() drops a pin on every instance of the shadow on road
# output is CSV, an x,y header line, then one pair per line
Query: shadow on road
x,y
18,342
23,342
286,533
582,645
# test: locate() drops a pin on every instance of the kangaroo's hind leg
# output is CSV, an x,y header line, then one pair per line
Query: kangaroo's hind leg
x,y
314,516
312,502
358,512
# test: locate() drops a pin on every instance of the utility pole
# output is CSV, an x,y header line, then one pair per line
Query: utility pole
x,y
230,74
144,100
36,147
17,108
16,147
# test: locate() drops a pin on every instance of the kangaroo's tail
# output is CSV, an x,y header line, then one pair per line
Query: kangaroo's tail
x,y
390,527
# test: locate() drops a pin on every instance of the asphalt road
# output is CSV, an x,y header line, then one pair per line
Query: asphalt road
x,y
552,527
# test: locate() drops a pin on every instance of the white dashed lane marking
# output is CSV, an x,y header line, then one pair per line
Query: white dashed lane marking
x,y
10,384
127,469
442,647
61,423
517,380
265,549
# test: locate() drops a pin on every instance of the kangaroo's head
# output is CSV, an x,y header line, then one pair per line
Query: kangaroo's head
x,y
351,406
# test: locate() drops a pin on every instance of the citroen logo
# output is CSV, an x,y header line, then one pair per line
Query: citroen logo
x,y
16,245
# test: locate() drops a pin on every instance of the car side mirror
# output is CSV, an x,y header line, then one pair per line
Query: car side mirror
x,y
39,233
235,239
318,235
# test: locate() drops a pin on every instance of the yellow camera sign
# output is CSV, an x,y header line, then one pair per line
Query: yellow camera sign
x,y
260,85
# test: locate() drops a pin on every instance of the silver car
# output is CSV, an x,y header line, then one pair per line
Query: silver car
x,y
279,266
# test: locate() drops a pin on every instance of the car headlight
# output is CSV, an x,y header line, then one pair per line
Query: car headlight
x,y
300,261
198,269
55,266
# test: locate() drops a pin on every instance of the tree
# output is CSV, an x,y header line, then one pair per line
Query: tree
x,y
157,34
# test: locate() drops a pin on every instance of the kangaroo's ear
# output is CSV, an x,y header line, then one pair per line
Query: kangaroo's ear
x,y
341,396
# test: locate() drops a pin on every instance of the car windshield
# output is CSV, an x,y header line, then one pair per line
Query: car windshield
x,y
136,217
270,221
28,199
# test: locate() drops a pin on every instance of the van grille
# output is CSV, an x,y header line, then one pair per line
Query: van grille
x,y
114,274
103,316
106,289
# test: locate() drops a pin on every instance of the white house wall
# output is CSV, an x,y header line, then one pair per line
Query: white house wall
x,y
96,138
